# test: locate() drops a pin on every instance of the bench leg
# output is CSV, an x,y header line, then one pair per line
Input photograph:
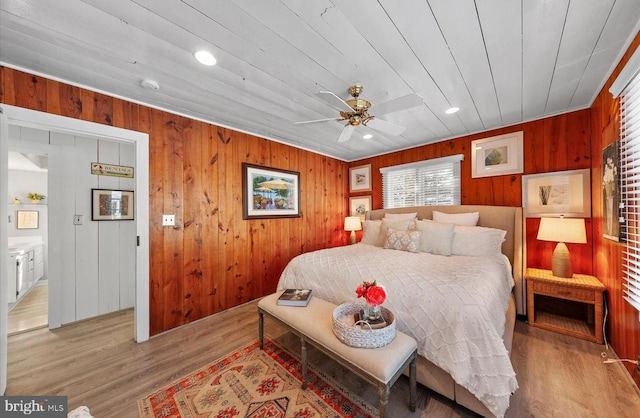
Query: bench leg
x,y
383,393
305,363
261,329
412,383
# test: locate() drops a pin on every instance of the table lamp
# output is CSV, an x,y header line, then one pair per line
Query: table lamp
x,y
562,230
352,223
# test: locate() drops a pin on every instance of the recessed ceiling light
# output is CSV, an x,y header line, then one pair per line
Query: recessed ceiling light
x,y
367,136
205,57
451,110
150,84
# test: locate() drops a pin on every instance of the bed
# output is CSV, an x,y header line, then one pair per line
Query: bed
x,y
463,321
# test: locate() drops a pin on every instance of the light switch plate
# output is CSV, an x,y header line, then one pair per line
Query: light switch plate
x,y
168,220
78,219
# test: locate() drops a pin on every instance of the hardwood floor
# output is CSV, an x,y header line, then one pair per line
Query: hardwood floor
x,y
32,312
96,363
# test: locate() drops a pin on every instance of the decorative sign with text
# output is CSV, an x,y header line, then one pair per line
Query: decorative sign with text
x,y
111,170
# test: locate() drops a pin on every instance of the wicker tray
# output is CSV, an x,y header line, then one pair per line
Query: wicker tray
x,y
345,329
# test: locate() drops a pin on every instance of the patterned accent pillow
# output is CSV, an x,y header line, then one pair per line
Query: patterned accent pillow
x,y
402,240
401,225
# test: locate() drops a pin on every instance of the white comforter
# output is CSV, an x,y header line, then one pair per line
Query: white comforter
x,y
454,307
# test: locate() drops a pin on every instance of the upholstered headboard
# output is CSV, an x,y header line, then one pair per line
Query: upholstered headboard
x,y
507,218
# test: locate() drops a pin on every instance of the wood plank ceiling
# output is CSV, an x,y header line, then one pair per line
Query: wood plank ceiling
x,y
501,61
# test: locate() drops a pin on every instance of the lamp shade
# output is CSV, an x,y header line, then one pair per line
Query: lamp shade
x,y
562,230
352,223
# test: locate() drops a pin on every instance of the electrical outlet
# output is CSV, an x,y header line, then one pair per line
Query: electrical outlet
x,y
168,220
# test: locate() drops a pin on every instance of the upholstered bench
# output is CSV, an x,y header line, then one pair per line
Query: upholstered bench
x,y
314,323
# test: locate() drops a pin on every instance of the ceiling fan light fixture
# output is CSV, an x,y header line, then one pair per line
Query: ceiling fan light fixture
x,y
205,57
451,110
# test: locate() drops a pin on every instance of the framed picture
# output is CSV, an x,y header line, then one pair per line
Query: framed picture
x,y
360,178
111,205
611,211
27,219
497,156
557,193
269,193
358,206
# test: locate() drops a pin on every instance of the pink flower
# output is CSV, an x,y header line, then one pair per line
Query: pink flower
x,y
375,295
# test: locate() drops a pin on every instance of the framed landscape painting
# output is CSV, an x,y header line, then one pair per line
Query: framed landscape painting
x,y
269,192
360,178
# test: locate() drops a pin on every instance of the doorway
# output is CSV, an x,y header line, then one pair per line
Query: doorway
x,y
12,115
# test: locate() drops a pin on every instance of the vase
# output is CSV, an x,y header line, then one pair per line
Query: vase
x,y
372,312
608,215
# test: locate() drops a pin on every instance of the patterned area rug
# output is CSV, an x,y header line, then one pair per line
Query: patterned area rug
x,y
252,383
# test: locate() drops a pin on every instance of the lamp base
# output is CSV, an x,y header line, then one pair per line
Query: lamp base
x,y
352,238
561,265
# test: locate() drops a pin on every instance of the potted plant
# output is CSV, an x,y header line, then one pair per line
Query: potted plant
x,y
36,197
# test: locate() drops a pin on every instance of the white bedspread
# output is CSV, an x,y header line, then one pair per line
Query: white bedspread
x,y
454,307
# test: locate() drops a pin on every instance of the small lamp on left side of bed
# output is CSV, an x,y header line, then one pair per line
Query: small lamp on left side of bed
x,y
352,223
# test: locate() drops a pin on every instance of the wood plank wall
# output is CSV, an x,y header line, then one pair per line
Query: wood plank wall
x,y
213,259
553,144
624,324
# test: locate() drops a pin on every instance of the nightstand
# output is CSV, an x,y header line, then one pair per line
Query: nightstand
x,y
570,306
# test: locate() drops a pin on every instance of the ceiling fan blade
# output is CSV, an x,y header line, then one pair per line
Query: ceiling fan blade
x,y
345,135
394,105
335,101
314,121
386,127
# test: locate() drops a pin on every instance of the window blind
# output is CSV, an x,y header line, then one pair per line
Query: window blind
x,y
423,183
630,187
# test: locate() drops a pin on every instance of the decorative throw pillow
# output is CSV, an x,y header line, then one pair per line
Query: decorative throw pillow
x,y
403,217
370,232
477,241
436,238
402,240
401,225
469,219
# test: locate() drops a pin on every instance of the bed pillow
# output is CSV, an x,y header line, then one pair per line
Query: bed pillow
x,y
469,219
402,240
370,232
401,225
401,216
477,241
436,238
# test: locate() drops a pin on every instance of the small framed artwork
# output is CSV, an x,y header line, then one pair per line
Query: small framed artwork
x,y
566,193
269,193
358,206
497,155
611,212
360,178
111,205
27,219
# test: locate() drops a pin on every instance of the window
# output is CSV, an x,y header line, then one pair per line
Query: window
x,y
424,183
628,87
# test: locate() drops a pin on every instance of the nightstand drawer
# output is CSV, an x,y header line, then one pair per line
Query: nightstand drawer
x,y
564,292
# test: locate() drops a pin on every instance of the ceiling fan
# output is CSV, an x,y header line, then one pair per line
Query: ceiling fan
x,y
356,112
